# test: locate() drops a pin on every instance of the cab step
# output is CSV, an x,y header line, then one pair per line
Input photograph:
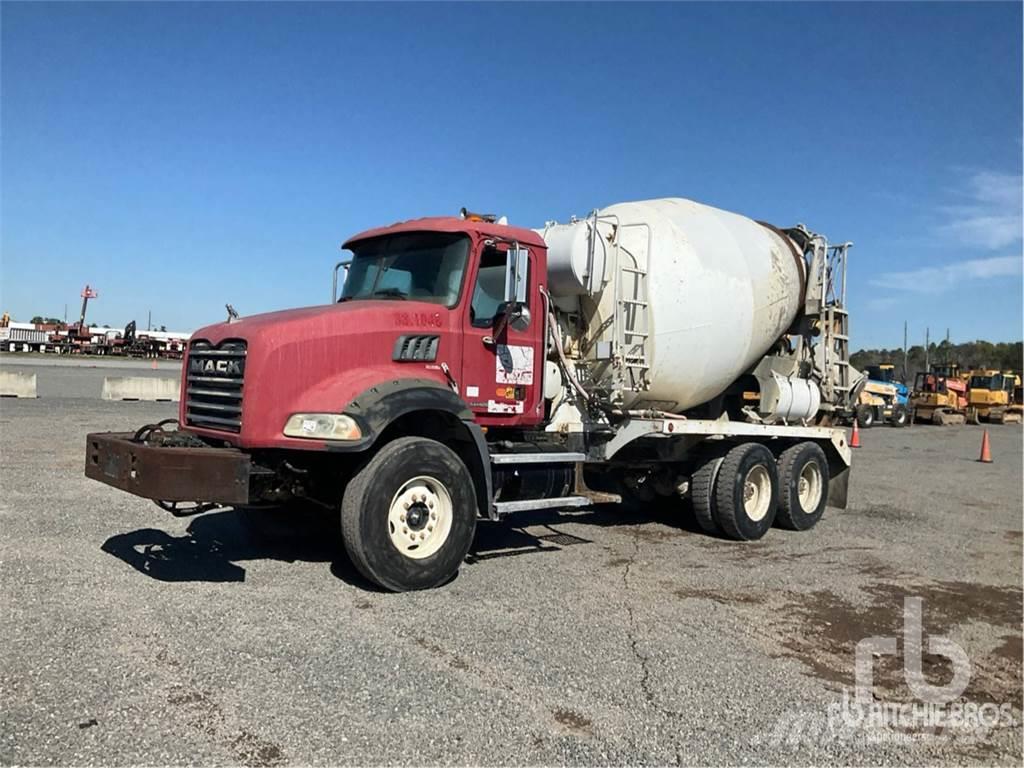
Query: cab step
x,y
537,458
561,502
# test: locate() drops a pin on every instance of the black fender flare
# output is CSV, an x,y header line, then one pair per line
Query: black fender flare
x,y
379,406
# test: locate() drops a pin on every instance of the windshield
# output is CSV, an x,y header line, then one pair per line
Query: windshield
x,y
881,373
981,382
420,266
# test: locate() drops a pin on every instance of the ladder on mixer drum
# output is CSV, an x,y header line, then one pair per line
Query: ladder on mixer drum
x,y
630,326
633,326
836,320
837,355
632,323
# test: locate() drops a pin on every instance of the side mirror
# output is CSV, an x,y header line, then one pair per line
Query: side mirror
x,y
518,316
516,266
334,282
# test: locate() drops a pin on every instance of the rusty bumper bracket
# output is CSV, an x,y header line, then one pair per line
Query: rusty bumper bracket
x,y
168,473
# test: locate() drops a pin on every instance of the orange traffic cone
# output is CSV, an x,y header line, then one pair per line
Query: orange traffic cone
x,y
153,365
855,438
986,451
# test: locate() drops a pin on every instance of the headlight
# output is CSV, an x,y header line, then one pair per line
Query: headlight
x,y
323,426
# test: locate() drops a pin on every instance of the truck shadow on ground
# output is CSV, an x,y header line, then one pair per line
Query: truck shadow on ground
x,y
214,544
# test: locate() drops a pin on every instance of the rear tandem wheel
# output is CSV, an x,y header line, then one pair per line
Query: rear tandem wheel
x,y
746,495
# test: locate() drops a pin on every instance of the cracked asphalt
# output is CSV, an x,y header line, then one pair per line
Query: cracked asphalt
x,y
587,637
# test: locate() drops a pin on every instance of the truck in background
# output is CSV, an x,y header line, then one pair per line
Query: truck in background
x,y
472,369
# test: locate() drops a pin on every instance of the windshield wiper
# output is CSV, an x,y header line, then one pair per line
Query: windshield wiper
x,y
391,293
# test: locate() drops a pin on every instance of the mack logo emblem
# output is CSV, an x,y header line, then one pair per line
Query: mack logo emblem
x,y
228,367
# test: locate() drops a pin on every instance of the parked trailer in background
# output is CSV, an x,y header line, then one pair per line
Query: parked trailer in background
x,y
22,337
474,369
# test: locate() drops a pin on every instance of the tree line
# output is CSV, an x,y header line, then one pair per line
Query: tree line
x,y
1004,356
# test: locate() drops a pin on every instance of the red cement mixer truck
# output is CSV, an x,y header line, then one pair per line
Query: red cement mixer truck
x,y
471,369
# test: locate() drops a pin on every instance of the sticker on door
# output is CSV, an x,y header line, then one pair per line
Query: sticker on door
x,y
514,364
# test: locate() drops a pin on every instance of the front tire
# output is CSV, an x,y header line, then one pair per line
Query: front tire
x,y
803,484
865,416
900,417
408,516
746,492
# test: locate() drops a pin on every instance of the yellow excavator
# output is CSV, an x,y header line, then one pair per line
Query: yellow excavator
x,y
990,397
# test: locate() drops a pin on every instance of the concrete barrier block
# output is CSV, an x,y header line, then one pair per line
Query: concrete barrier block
x,y
140,388
13,384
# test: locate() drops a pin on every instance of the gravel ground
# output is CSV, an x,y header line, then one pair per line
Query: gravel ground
x,y
595,637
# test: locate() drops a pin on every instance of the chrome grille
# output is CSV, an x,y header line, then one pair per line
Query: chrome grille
x,y
213,391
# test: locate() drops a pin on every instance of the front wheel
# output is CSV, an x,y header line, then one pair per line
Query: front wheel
x,y
865,416
408,516
900,417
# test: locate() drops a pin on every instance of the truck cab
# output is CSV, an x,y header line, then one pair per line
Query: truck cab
x,y
423,308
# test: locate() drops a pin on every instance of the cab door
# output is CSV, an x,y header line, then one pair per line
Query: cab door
x,y
503,358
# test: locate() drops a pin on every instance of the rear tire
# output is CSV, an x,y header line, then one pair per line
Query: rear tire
x,y
900,417
746,492
803,486
702,495
409,515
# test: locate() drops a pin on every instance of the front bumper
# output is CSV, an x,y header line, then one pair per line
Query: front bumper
x,y
168,473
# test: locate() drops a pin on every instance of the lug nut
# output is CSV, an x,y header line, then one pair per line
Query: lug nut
x,y
430,527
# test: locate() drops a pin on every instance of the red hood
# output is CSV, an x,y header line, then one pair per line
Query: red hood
x,y
318,359
276,323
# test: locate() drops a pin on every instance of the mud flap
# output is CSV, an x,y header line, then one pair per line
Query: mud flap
x,y
838,487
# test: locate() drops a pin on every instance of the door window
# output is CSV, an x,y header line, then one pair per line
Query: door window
x,y
489,292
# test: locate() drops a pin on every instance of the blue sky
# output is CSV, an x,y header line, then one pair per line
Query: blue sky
x,y
181,156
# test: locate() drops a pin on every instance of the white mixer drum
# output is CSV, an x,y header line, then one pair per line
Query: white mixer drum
x,y
721,290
